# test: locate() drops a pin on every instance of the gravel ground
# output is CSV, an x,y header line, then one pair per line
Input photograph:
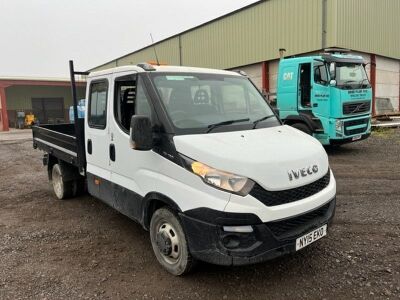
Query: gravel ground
x,y
81,248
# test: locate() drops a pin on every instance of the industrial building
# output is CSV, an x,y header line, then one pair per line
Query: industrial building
x,y
249,39
48,99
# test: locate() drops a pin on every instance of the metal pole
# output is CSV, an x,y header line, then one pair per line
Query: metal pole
x,y
73,89
78,130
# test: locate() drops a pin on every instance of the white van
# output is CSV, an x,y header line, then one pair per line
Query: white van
x,y
198,158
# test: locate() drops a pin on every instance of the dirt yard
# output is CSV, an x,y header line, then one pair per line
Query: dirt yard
x,y
81,248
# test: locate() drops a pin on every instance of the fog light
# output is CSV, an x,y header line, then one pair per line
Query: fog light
x,y
231,241
241,229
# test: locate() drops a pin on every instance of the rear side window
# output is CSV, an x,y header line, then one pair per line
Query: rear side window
x,y
97,116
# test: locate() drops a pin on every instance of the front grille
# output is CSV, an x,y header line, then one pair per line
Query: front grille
x,y
355,123
356,107
286,228
273,198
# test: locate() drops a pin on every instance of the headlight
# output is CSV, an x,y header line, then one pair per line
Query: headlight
x,y
339,126
220,179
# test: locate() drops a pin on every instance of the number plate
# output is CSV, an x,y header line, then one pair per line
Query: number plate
x,y
355,138
310,237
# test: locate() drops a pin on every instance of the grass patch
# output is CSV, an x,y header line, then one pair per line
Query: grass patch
x,y
382,132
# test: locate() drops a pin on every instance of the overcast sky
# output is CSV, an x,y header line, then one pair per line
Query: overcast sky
x,y
38,37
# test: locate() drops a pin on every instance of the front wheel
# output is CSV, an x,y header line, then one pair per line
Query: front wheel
x,y
169,242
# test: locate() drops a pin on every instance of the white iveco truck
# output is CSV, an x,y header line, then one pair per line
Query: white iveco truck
x,y
199,159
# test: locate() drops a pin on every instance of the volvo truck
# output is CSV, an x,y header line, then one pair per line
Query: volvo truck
x,y
327,96
199,159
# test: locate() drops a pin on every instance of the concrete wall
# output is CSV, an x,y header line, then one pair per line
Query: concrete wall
x,y
254,72
388,80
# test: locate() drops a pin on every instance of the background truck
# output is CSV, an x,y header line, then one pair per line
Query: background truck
x,y
327,96
199,159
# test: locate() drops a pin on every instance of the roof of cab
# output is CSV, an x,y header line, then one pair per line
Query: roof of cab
x,y
175,69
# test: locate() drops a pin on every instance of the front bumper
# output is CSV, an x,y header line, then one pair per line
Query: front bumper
x,y
335,142
210,243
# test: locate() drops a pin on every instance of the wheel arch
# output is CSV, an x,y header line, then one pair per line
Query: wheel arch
x,y
292,119
69,171
153,201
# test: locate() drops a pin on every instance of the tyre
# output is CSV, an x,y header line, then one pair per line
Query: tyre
x,y
302,127
169,242
62,189
81,186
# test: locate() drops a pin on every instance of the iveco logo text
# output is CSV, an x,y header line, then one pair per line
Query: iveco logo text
x,y
303,172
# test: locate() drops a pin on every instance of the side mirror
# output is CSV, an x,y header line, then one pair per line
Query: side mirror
x,y
332,70
141,133
332,82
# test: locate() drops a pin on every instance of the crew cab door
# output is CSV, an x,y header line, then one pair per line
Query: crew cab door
x,y
97,136
129,167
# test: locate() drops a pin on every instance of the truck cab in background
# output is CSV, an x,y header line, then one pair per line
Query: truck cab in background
x,y
327,96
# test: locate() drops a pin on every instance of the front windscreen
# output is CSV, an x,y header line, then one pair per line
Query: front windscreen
x,y
351,75
197,100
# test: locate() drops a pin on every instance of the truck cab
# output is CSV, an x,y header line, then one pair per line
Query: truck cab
x,y
199,159
327,96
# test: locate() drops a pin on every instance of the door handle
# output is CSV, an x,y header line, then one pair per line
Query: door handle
x,y
112,152
89,146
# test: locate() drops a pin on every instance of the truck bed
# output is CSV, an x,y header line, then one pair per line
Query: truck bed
x,y
60,141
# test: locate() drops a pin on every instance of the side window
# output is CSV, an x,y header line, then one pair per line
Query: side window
x,y
98,104
320,73
129,99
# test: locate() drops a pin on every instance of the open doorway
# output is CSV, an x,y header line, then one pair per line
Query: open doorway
x,y
305,85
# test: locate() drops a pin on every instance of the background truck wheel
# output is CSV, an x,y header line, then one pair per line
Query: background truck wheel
x,y
169,242
62,189
302,127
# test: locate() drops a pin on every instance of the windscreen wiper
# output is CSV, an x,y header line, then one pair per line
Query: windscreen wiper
x,y
261,119
362,82
213,126
347,83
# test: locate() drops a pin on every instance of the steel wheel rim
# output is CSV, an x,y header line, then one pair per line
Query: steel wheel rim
x,y
57,184
171,233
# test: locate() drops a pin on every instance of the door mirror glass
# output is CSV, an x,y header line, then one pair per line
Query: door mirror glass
x,y
141,133
332,82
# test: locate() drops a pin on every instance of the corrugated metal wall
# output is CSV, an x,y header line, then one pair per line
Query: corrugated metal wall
x,y
369,25
167,52
248,36
256,33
